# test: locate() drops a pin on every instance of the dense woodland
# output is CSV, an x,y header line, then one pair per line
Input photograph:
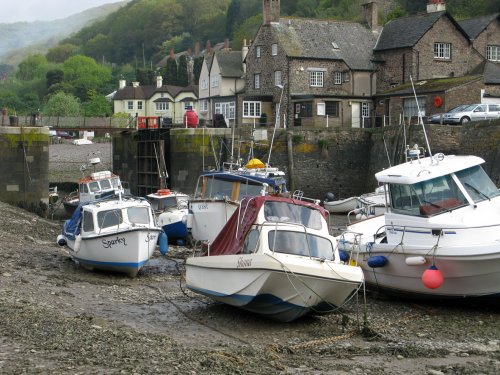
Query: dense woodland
x,y
73,77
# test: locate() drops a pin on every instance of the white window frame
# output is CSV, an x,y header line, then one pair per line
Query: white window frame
x,y
493,53
130,105
365,109
410,106
277,77
204,84
274,49
228,109
316,78
337,78
257,52
251,109
204,105
139,104
161,106
214,80
442,51
256,81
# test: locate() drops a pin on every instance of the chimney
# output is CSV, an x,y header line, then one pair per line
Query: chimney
x,y
244,52
226,45
197,49
370,12
121,84
436,6
159,81
270,11
135,84
208,47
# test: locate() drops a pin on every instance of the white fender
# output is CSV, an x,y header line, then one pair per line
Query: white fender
x,y
415,261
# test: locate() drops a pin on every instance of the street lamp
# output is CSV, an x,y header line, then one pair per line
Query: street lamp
x,y
276,121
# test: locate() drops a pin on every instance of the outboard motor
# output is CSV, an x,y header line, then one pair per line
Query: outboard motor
x,y
329,197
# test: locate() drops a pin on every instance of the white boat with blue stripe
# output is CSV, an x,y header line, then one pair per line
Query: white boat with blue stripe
x,y
275,257
440,237
118,235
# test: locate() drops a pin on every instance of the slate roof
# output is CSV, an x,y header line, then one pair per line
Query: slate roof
x,y
474,26
491,73
230,63
146,92
313,39
405,32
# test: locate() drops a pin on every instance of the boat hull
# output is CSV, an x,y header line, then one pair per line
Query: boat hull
x,y
125,252
341,206
282,288
173,224
208,217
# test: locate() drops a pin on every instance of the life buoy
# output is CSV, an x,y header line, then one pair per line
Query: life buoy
x,y
163,192
438,101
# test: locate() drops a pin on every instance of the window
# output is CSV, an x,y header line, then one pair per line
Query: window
x,y
493,53
316,78
162,106
109,218
88,221
256,81
139,104
337,78
305,109
347,76
204,84
257,52
138,215
251,109
188,105
442,51
365,109
130,105
214,81
332,109
226,109
277,77
274,49
204,105
410,107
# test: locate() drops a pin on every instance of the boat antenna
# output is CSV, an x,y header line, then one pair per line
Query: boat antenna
x,y
420,119
275,122
386,151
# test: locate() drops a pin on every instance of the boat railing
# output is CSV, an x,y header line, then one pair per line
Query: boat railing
x,y
299,195
352,247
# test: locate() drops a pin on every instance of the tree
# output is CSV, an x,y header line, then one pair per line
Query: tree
x,y
85,74
98,106
62,104
30,67
170,70
232,17
61,52
54,76
182,72
145,76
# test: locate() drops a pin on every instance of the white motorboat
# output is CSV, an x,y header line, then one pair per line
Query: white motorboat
x,y
275,257
171,209
112,235
218,194
341,206
441,236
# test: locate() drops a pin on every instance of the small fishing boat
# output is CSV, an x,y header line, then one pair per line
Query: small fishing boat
x,y
95,186
171,209
218,194
341,206
275,257
441,236
117,235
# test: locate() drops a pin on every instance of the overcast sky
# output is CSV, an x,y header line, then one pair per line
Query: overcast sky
x,y
44,10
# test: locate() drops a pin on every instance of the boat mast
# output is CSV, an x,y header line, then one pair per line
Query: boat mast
x,y
420,119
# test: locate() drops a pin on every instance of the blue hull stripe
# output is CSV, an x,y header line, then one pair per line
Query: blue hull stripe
x,y
113,264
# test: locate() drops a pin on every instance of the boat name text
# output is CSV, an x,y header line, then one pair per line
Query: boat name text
x,y
244,263
110,243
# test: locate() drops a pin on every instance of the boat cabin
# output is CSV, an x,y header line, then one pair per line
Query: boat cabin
x,y
165,199
99,185
431,187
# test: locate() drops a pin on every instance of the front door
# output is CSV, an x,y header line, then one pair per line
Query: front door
x,y
356,115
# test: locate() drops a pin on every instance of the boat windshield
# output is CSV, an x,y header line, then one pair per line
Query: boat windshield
x,y
220,189
138,215
109,218
94,187
300,243
427,198
292,213
477,183
105,184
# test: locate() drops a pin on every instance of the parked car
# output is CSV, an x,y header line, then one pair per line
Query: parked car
x,y
64,134
474,112
436,118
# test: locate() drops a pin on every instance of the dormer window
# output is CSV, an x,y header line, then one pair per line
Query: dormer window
x,y
442,51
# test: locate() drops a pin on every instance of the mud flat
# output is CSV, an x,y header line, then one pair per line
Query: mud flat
x,y
57,317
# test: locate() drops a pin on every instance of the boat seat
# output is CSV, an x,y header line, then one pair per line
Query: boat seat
x,y
439,206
